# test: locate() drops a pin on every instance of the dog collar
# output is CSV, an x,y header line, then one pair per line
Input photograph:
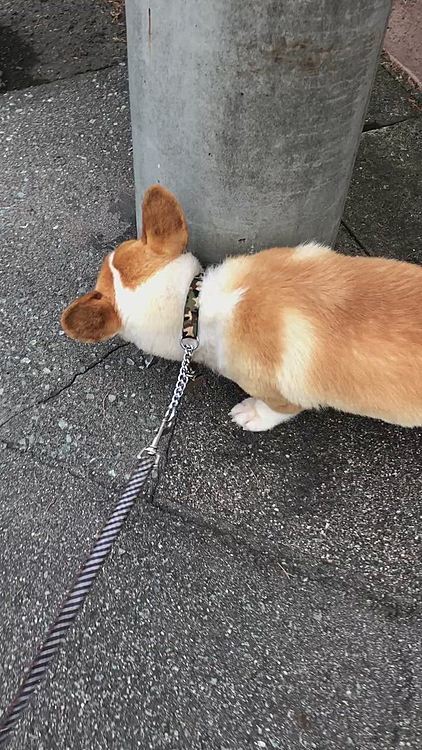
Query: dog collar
x,y
191,314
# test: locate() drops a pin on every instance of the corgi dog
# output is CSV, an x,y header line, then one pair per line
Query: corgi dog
x,y
295,327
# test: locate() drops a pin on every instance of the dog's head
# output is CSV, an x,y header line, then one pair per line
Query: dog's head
x,y
94,316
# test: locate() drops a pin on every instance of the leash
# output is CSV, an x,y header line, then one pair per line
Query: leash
x,y
148,460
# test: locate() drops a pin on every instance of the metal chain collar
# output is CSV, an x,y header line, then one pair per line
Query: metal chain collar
x,y
185,374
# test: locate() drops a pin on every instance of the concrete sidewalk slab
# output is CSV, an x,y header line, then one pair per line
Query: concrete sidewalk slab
x,y
384,207
389,102
191,641
48,519
43,40
66,191
96,427
337,494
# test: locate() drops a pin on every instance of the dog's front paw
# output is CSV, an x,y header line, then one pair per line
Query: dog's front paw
x,y
255,416
244,413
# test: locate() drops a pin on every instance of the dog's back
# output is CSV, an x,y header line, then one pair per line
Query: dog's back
x,y
332,330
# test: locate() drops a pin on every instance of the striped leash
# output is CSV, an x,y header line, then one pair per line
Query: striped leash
x,y
147,461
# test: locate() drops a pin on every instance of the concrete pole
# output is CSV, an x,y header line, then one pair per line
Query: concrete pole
x,y
251,112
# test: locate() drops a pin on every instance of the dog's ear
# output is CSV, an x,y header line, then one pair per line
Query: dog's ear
x,y
164,227
90,319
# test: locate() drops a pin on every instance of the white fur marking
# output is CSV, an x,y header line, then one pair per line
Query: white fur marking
x,y
310,250
152,314
216,306
298,348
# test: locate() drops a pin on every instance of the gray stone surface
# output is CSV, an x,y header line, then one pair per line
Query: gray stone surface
x,y
48,518
191,641
66,191
43,40
338,493
389,102
384,207
95,428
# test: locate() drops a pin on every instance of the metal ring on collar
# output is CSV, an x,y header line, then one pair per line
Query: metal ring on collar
x,y
189,344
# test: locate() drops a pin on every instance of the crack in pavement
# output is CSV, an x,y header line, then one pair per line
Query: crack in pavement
x,y
355,237
293,564
289,562
38,459
286,558
370,126
53,394
77,375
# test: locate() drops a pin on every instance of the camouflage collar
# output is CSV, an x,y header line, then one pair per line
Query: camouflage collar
x,y
191,312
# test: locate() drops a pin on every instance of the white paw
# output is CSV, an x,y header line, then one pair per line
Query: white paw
x,y
255,416
244,413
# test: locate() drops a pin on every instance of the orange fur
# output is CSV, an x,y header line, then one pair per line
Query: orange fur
x,y
105,283
164,226
164,237
366,318
93,317
90,319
